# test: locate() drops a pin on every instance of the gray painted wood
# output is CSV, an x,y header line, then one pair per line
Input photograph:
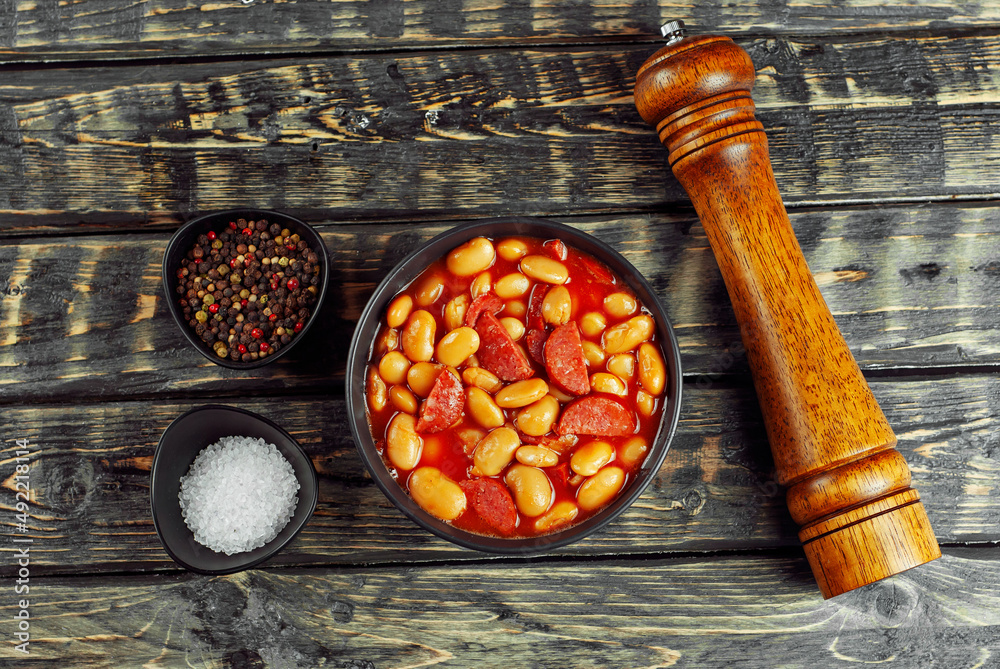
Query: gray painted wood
x,y
170,28
386,122
713,612
715,490
910,287
478,132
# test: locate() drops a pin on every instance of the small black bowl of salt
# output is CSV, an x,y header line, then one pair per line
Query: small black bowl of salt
x,y
229,489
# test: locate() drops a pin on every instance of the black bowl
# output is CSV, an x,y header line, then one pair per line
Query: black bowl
x,y
401,276
184,239
180,444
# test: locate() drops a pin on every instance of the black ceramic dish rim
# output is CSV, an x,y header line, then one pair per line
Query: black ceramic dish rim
x,y
277,548
357,367
169,279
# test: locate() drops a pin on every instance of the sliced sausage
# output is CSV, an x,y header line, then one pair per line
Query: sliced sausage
x,y
535,320
559,474
497,351
492,501
488,302
597,270
555,248
564,360
535,341
443,407
597,416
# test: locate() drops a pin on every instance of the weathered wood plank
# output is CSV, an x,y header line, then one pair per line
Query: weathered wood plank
x,y
721,612
910,287
544,131
31,32
90,473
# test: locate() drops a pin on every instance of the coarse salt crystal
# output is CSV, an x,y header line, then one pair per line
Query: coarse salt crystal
x,y
238,494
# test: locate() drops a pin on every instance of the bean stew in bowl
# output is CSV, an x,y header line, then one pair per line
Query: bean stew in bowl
x,y
513,386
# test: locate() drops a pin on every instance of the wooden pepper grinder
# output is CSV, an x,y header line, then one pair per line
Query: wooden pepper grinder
x,y
848,488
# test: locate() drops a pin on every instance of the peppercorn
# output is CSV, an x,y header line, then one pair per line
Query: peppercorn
x,y
250,284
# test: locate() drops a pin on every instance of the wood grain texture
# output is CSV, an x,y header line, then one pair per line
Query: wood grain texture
x,y
113,29
724,612
715,491
909,287
540,131
386,121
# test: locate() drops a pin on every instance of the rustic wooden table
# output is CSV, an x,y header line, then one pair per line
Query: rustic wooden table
x,y
384,123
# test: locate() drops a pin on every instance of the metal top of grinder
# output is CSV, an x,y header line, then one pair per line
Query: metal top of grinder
x,y
673,31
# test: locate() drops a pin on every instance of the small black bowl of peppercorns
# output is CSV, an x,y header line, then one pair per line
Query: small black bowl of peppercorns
x,y
244,285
